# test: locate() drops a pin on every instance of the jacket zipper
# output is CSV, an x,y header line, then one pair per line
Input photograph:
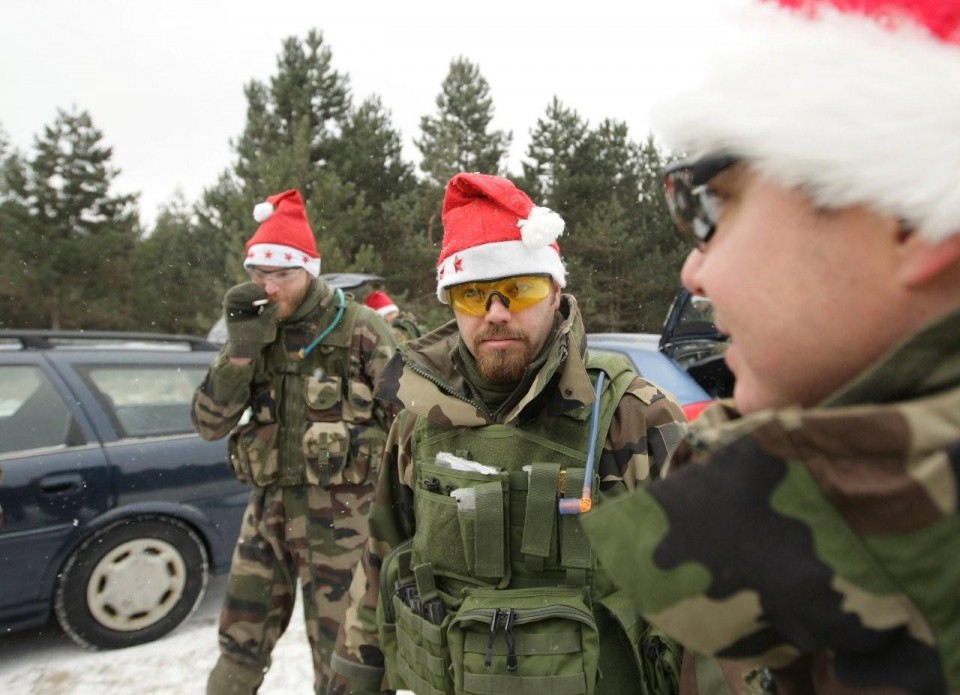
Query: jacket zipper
x,y
446,389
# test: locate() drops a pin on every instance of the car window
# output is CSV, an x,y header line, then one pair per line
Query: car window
x,y
696,317
32,413
146,401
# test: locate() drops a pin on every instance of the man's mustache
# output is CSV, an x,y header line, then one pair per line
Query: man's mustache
x,y
498,332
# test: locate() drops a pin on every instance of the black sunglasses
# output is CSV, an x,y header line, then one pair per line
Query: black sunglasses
x,y
694,206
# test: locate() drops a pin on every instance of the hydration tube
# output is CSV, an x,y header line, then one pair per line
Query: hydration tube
x,y
583,504
329,329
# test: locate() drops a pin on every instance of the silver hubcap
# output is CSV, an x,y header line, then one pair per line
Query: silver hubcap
x,y
136,584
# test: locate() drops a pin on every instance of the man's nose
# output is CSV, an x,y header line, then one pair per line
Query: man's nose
x,y
690,273
497,310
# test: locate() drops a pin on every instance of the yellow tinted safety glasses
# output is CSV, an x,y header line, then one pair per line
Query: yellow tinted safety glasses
x,y
516,293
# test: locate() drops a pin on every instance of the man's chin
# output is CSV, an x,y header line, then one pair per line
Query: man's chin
x,y
502,367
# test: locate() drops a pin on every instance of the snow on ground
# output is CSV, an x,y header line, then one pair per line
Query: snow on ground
x,y
46,662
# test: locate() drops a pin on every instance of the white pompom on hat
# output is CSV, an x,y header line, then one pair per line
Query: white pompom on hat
x,y
491,229
855,101
284,238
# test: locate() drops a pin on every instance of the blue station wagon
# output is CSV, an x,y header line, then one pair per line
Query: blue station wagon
x,y
114,511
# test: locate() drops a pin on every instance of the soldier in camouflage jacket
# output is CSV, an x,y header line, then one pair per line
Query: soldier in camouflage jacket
x,y
293,386
811,527
454,401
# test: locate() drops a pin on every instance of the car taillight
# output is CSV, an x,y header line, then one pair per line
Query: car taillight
x,y
693,410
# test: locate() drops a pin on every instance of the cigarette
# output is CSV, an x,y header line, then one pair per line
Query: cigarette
x,y
261,302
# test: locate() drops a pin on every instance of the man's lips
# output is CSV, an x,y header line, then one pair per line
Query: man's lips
x,y
498,343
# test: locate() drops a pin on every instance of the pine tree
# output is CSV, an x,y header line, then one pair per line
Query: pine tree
x,y
71,239
296,136
458,137
368,154
554,143
174,266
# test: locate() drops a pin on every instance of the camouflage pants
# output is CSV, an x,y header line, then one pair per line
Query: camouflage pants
x,y
306,533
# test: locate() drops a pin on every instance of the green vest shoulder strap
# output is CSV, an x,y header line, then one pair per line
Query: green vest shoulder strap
x,y
620,374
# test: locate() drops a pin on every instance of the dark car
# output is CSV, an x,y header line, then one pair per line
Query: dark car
x,y
686,359
115,511
690,337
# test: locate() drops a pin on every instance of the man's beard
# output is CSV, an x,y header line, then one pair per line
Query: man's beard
x,y
502,366
289,305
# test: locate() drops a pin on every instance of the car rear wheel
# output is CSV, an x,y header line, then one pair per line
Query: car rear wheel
x,y
131,583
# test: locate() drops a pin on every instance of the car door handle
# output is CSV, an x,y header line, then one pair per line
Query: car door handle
x,y
61,483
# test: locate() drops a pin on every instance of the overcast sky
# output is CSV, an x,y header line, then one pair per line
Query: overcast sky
x,y
163,80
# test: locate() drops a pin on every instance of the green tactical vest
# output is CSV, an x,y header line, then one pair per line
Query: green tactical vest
x,y
312,417
497,592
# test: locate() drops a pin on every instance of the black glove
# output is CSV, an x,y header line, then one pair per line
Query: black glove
x,y
247,324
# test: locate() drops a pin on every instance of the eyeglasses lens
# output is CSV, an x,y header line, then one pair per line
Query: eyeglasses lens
x,y
694,206
516,293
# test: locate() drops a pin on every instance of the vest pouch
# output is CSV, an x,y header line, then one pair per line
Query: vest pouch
x,y
462,523
657,657
414,648
253,454
536,641
322,392
366,449
325,449
358,407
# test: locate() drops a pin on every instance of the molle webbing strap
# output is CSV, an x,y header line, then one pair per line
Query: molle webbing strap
x,y
426,584
431,636
489,537
540,516
483,684
575,548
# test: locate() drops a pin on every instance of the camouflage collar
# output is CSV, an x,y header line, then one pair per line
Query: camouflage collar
x,y
318,294
431,387
925,363
922,375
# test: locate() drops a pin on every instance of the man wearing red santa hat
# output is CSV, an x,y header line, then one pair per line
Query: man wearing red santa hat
x,y
812,525
476,577
404,325
293,387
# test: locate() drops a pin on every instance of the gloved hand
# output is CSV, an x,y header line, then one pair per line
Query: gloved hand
x,y
247,325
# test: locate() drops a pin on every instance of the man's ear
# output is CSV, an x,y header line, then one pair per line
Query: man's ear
x,y
923,260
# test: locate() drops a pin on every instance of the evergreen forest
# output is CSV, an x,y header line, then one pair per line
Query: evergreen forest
x,y
75,255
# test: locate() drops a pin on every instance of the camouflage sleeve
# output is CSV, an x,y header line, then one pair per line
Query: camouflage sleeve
x,y
646,427
221,399
357,660
375,345
704,675
742,557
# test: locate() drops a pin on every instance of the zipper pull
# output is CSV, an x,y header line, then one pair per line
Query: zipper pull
x,y
511,641
494,623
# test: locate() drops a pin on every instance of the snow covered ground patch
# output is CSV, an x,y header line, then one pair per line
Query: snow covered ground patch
x,y
47,663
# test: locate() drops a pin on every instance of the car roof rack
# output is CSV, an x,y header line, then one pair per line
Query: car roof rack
x,y
50,339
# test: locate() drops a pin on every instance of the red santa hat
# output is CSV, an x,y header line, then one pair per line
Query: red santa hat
x,y
856,101
380,302
491,229
284,238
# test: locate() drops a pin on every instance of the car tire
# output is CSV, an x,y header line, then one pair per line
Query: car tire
x,y
131,583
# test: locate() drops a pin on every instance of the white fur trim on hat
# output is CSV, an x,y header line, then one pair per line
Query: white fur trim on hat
x,y
279,256
500,259
387,309
854,112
